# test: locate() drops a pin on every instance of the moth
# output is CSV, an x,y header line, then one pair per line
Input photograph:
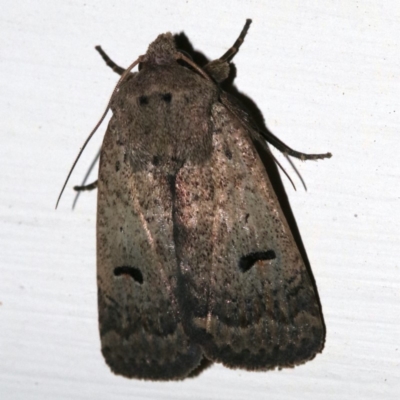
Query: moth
x,y
196,262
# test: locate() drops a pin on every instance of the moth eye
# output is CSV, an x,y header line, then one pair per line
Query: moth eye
x,y
247,261
143,100
133,272
167,97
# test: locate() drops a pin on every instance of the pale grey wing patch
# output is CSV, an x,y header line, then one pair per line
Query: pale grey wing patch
x,y
245,291
140,327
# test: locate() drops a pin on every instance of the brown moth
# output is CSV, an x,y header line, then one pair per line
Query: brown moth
x,y
195,259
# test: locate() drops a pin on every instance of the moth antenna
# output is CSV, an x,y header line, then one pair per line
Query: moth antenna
x,y
123,77
283,169
78,192
181,56
296,170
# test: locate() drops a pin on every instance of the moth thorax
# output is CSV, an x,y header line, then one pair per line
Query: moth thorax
x,y
167,112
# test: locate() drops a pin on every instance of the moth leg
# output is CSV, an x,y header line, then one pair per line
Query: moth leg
x,y
285,149
235,48
116,68
91,186
219,69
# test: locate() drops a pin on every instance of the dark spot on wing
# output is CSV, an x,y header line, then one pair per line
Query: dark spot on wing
x,y
156,161
247,261
228,154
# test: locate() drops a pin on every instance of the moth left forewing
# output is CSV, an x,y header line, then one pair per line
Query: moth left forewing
x,y
142,335
246,294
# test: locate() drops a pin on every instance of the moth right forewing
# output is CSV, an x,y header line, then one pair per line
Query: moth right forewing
x,y
244,289
140,327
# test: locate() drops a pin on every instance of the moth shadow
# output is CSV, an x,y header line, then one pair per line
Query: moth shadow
x,y
255,114
205,363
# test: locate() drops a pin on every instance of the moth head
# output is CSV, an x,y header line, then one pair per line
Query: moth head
x,y
162,50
